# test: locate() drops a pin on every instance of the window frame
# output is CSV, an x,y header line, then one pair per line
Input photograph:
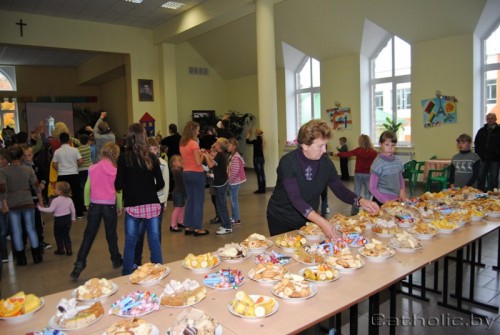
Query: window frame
x,y
313,91
485,67
394,80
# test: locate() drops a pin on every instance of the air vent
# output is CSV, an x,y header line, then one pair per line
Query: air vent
x,y
198,71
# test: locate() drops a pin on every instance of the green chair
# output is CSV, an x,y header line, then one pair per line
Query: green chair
x,y
419,170
438,176
408,173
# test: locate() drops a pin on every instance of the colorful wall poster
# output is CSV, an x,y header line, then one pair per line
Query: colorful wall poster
x,y
439,111
340,118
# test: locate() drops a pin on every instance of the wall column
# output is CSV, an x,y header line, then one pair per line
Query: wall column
x,y
266,79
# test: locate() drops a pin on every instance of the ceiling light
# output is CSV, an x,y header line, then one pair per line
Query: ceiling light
x,y
134,1
172,5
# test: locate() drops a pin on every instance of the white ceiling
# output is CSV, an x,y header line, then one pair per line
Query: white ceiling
x,y
324,29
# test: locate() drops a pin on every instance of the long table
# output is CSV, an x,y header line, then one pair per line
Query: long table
x,y
292,317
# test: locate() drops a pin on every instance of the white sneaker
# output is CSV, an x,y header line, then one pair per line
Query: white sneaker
x,y
327,210
223,231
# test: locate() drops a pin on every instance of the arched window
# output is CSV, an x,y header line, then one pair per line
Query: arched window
x,y
390,88
491,70
307,91
8,104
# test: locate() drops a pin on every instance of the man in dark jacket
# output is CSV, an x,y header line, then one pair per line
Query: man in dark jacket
x,y
487,146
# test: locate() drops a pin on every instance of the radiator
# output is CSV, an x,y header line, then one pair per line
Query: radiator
x,y
405,156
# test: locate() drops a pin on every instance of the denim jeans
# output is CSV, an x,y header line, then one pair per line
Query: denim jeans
x,y
132,227
95,214
4,228
28,215
258,165
140,238
194,184
221,198
361,180
235,205
486,168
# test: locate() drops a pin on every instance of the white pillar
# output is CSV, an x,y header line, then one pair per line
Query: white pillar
x,y
266,78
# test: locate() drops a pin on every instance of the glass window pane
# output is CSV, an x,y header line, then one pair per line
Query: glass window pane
x,y
491,93
5,84
402,52
304,75
492,47
9,120
304,108
382,66
383,109
317,106
316,77
403,112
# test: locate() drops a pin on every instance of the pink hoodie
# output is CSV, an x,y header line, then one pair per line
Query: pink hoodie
x,y
102,183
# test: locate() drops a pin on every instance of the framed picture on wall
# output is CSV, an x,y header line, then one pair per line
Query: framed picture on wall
x,y
146,90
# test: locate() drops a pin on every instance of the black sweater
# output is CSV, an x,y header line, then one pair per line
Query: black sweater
x,y
139,185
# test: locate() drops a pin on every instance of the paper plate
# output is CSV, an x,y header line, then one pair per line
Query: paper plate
x,y
314,269
154,281
254,298
201,270
113,291
314,291
377,259
55,325
25,316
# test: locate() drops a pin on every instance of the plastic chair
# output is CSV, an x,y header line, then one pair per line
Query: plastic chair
x,y
408,173
419,170
438,176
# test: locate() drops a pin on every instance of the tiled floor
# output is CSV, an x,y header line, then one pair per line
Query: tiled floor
x,y
53,274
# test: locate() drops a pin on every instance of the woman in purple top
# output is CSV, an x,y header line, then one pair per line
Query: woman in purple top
x,y
302,176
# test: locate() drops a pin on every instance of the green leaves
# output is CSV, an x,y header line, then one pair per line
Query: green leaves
x,y
392,126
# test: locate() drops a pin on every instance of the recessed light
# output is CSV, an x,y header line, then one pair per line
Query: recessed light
x,y
172,5
134,1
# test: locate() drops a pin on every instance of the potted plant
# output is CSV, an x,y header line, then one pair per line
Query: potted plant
x,y
392,126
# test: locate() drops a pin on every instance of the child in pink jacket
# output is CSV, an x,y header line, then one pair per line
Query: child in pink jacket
x,y
64,215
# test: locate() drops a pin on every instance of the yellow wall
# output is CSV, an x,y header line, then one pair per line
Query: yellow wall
x,y
340,81
114,102
446,65
197,92
100,37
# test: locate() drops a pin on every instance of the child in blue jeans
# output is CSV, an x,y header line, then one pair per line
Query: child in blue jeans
x,y
219,166
103,202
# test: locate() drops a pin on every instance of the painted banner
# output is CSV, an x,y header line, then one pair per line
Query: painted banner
x,y
439,111
340,118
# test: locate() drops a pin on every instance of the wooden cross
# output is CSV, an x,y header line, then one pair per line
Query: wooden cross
x,y
21,26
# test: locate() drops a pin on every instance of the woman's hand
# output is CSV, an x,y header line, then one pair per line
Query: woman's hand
x,y
327,227
370,206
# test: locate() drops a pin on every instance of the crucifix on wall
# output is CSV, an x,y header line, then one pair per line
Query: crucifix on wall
x,y
21,26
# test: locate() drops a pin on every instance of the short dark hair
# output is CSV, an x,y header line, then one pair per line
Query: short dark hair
x,y
84,139
104,128
15,152
464,137
388,135
64,137
172,127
